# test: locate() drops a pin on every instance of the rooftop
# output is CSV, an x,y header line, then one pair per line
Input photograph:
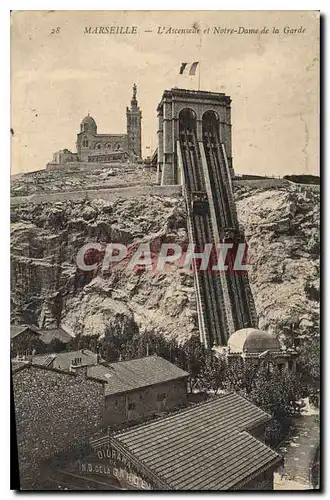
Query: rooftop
x,y
64,358
46,335
17,364
205,447
16,330
124,376
251,340
186,95
89,120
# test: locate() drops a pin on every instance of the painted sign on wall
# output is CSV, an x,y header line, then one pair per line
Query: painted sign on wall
x,y
112,463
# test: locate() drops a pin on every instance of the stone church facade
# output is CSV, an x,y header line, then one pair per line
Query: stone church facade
x,y
92,146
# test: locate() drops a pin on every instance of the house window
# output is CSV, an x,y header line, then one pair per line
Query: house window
x,y
290,364
161,397
131,406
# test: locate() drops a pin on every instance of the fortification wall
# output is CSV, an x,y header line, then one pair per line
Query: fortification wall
x,y
261,183
77,166
146,190
306,187
271,183
104,194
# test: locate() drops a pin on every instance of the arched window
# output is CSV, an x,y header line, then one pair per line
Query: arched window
x,y
187,119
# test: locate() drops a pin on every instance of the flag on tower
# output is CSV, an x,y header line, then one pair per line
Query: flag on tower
x,y
188,66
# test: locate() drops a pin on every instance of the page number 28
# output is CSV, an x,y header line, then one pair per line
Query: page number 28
x,y
54,31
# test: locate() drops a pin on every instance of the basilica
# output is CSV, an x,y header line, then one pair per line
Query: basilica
x,y
105,148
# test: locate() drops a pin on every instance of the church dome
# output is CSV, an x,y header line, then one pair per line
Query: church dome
x,y
88,124
251,340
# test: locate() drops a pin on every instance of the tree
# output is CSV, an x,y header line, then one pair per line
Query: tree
x,y
240,376
275,431
55,346
83,342
194,354
308,364
112,345
213,374
277,392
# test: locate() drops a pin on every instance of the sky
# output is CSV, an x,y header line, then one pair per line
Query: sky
x,y
272,78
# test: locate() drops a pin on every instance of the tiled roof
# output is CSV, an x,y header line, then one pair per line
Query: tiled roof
x,y
47,335
17,364
43,359
17,329
65,357
21,365
205,447
124,376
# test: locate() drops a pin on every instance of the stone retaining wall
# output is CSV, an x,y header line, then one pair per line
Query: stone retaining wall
x,y
261,183
306,187
104,194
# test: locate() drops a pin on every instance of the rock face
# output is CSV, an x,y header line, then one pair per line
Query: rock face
x,y
281,226
282,230
73,177
48,289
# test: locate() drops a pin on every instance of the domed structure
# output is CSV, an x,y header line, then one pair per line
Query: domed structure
x,y
88,125
93,147
251,340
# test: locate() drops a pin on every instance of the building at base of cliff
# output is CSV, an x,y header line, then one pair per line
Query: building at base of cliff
x,y
216,445
84,424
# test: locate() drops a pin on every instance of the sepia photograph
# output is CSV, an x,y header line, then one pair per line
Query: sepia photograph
x,y
165,250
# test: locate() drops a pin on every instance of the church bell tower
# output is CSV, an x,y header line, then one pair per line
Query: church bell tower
x,y
134,117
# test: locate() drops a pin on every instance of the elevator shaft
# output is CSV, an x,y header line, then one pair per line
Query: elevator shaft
x,y
224,300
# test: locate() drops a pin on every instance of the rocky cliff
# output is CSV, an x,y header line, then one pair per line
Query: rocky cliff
x,y
281,226
282,229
